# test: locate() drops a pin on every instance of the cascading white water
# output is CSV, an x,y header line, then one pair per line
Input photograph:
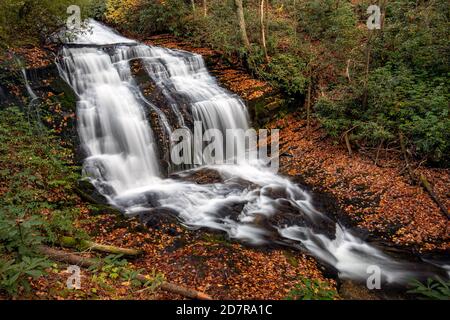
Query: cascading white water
x,y
111,122
30,91
250,203
184,74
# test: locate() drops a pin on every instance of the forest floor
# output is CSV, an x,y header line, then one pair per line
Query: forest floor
x,y
199,260
377,198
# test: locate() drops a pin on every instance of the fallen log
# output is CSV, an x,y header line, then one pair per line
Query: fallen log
x,y
71,242
67,257
429,189
174,288
75,259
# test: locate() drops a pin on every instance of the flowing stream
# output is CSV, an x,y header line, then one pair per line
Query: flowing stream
x,y
247,201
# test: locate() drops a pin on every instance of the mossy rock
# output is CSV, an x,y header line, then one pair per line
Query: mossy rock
x,y
88,192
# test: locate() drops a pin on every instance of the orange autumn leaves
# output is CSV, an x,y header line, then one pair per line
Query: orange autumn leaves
x,y
377,198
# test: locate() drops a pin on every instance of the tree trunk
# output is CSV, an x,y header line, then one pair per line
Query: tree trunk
x,y
263,33
366,76
205,8
405,157
67,257
241,20
193,6
383,13
347,70
347,143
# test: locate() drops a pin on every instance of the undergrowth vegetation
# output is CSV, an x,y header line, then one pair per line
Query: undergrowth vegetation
x,y
433,289
312,289
39,206
36,199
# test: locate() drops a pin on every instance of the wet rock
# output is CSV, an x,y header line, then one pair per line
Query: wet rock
x,y
274,192
240,184
263,222
202,176
232,210
158,218
88,192
263,109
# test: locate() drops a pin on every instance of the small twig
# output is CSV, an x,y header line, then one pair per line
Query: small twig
x,y
347,140
378,152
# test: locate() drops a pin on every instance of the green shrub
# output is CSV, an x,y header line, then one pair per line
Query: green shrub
x,y
15,273
147,16
328,21
398,101
96,9
32,21
435,289
308,289
37,202
287,71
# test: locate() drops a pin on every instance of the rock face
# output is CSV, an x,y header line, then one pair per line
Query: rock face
x,y
55,102
88,192
201,176
154,96
155,218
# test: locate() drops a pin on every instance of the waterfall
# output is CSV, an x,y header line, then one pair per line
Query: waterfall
x,y
30,91
248,202
183,76
111,123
